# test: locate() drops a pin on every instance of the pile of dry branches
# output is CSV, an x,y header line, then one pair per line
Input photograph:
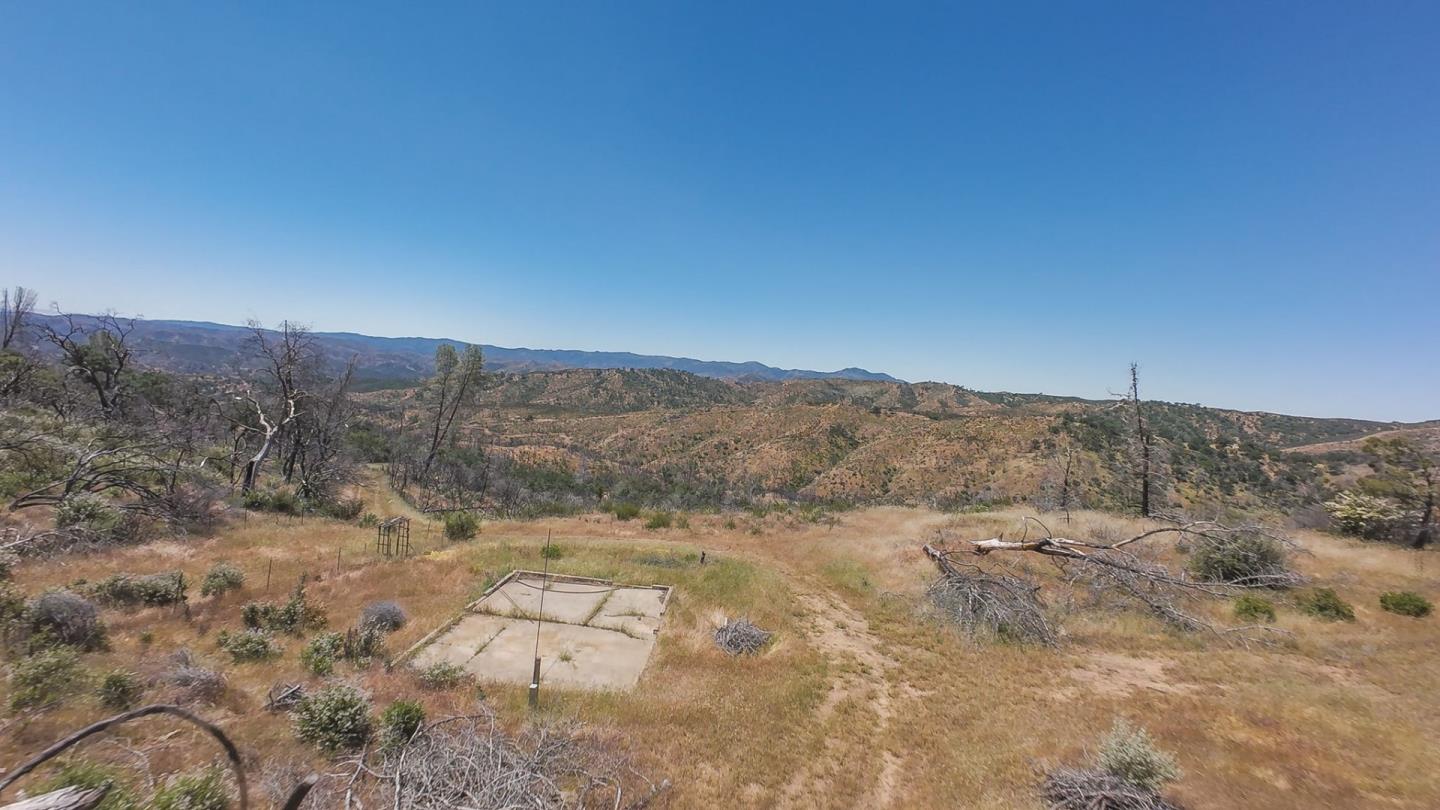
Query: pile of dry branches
x,y
993,605
741,637
1096,789
471,762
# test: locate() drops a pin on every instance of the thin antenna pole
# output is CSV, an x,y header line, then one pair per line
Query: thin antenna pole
x,y
544,583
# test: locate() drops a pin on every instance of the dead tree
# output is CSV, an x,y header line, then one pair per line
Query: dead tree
x,y
456,378
16,367
96,354
284,358
1143,441
16,307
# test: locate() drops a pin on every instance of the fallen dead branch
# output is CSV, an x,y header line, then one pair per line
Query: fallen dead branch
x,y
145,711
1107,568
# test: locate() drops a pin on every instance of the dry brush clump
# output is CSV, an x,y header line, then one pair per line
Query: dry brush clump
x,y
741,637
471,761
990,605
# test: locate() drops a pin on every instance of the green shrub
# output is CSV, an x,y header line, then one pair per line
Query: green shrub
x,y
90,776
63,617
460,525
139,589
369,520
659,520
222,578
399,722
1324,603
364,643
336,718
86,510
295,616
120,690
248,645
1240,558
282,501
45,678
441,675
1254,609
625,510
1129,754
319,655
1406,603
343,508
550,551
203,790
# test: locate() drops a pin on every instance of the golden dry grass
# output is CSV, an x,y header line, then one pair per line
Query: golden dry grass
x,y
861,701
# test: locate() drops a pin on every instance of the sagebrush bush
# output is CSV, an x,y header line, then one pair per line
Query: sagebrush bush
x,y
625,511
460,525
120,690
320,654
1406,603
222,578
1240,558
399,722
659,520
45,678
336,718
387,616
139,589
248,645
63,617
1254,608
86,510
441,675
1324,603
1128,753
202,790
91,776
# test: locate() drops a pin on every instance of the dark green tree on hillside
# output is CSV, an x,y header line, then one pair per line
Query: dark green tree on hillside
x,y
1410,475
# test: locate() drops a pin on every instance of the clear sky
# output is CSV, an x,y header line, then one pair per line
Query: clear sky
x,y
1243,197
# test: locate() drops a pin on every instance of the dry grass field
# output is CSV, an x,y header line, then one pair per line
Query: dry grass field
x,y
862,700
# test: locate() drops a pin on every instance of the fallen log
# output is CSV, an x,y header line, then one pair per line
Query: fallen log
x,y
70,798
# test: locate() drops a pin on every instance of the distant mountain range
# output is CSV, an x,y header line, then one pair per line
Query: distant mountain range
x,y
203,347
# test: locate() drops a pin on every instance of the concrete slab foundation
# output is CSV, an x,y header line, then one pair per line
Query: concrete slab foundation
x,y
594,634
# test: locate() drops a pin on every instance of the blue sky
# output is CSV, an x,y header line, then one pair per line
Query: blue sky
x,y
1243,197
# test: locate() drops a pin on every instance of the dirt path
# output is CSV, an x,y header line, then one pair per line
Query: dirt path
x,y
862,672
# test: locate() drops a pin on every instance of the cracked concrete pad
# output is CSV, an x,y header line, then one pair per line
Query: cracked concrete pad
x,y
594,634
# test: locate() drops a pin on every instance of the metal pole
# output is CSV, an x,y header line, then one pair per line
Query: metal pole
x,y
544,583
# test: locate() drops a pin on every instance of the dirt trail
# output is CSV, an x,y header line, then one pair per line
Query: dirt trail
x,y
862,672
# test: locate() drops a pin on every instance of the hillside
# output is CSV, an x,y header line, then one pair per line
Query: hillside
x,y
656,435
197,347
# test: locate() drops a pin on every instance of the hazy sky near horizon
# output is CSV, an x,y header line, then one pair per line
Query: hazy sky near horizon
x,y
1242,197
